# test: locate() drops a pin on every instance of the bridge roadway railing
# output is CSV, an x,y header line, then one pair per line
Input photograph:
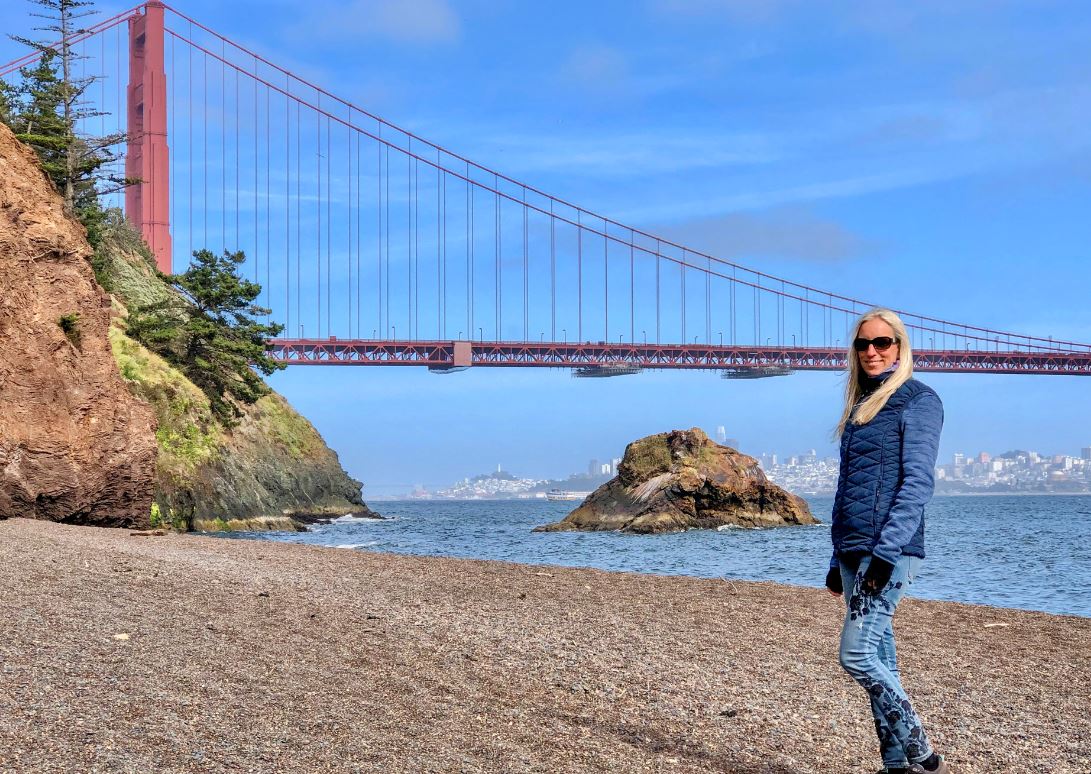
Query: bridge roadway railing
x,y
776,360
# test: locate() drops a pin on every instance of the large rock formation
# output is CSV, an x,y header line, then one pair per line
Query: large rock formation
x,y
271,471
75,445
681,480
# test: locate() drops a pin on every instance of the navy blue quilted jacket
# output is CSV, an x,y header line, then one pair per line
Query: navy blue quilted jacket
x,y
887,476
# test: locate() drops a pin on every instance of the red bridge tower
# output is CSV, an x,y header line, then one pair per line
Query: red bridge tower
x,y
147,203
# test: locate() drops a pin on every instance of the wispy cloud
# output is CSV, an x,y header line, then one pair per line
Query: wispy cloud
x,y
741,10
626,155
596,67
418,22
794,232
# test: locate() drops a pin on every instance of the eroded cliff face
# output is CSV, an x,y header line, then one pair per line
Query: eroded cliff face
x,y
682,480
75,444
271,471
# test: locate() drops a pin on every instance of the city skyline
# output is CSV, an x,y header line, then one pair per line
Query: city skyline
x,y
769,461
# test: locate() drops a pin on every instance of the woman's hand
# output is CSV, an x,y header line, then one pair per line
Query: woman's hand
x,y
876,576
833,581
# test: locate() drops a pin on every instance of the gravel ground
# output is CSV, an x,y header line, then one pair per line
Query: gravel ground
x,y
178,653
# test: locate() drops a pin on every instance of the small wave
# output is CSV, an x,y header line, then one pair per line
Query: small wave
x,y
349,518
368,544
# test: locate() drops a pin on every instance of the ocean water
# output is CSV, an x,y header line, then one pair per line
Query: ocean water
x,y
1031,552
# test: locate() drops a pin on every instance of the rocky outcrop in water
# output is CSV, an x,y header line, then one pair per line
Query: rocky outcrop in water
x,y
75,445
681,480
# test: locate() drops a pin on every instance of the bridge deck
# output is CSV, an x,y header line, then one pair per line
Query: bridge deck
x,y
774,360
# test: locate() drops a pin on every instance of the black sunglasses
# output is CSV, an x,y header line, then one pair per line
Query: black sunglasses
x,y
881,344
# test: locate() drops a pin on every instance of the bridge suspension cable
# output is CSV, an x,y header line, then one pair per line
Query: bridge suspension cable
x,y
375,245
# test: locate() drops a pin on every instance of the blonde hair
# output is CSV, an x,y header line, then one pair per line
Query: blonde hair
x,y
854,390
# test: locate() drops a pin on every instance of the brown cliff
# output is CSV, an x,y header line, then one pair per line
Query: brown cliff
x,y
271,471
682,480
75,445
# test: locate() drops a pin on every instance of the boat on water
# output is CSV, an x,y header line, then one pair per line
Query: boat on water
x,y
564,494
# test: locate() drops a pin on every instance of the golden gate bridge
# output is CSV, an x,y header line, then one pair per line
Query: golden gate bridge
x,y
355,226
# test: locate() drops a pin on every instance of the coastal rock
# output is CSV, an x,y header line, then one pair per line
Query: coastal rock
x,y
75,445
681,480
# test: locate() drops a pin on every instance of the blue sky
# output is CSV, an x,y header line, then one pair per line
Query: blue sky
x,y
930,156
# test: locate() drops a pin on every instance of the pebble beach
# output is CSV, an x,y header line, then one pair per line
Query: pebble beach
x,y
123,652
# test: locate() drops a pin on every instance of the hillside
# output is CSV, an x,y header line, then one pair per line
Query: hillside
x,y
97,429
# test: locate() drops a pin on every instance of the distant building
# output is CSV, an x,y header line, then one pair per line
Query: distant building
x,y
614,463
960,459
721,434
605,470
984,458
1085,452
732,442
593,467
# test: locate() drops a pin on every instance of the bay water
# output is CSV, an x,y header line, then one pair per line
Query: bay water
x,y
1028,551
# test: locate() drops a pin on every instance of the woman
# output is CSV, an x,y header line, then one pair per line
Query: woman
x,y
889,432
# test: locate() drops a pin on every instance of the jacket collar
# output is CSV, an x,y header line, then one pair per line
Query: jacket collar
x,y
871,383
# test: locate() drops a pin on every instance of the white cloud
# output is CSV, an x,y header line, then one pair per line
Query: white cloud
x,y
786,232
741,10
627,155
402,21
595,67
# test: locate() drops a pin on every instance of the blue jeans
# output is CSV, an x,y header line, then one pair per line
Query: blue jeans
x,y
868,654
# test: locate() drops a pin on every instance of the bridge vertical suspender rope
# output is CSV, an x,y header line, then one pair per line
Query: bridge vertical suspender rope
x,y
471,259
379,238
658,294
441,291
359,239
386,234
579,275
552,274
329,225
682,284
287,209
632,296
606,285
268,199
223,151
526,271
318,217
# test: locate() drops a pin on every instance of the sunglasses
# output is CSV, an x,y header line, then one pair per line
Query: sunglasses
x,y
881,344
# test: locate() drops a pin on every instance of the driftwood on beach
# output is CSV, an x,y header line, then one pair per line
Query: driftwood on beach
x,y
192,654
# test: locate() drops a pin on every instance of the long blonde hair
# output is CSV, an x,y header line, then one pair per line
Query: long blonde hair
x,y
854,389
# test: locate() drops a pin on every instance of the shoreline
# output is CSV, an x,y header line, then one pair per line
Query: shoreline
x,y
830,493
184,653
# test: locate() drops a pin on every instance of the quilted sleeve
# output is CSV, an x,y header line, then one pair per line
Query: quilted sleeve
x,y
921,423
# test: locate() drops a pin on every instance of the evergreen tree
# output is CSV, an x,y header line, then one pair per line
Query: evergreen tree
x,y
45,109
208,330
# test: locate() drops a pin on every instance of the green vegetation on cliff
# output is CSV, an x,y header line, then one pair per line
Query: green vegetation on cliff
x,y
256,473
207,328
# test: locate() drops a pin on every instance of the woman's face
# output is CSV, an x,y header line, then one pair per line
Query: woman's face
x,y
872,361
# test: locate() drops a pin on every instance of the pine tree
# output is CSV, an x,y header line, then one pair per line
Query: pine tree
x,y
208,330
45,109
